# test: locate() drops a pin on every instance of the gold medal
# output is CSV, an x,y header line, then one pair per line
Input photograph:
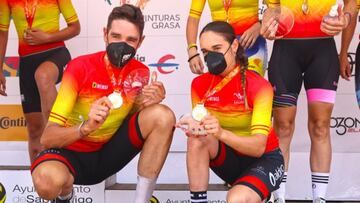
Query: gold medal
x,y
116,99
305,7
199,112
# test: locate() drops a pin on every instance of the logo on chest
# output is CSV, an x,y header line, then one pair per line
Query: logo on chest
x,y
96,85
238,98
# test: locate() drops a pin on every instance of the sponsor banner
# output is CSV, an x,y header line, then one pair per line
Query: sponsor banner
x,y
12,123
19,189
162,196
11,66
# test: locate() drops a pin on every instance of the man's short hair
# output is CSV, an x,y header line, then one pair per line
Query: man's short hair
x,y
127,12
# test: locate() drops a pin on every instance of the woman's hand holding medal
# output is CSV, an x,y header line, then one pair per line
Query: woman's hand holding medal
x,y
208,125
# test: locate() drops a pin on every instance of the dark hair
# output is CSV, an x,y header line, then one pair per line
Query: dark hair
x,y
127,12
227,31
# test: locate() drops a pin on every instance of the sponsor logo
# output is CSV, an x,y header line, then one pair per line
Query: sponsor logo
x,y
351,58
27,194
163,21
99,86
11,66
277,175
163,66
343,125
6,122
238,98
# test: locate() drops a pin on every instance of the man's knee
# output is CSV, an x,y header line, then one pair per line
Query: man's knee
x,y
46,184
160,115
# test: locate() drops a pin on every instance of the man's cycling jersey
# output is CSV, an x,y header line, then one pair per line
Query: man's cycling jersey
x,y
85,80
228,105
47,14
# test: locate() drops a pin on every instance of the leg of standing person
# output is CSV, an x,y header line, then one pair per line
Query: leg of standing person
x,y
46,76
320,153
284,125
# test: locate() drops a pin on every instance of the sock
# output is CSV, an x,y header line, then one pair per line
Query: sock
x,y
66,197
320,182
280,193
144,189
198,197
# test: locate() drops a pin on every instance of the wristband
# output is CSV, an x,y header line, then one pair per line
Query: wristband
x,y
192,45
195,55
79,129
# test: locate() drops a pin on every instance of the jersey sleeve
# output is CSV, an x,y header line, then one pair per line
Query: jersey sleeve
x,y
273,3
68,93
358,4
4,15
262,107
195,95
68,11
197,7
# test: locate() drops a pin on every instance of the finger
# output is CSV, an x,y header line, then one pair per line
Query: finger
x,y
248,43
153,77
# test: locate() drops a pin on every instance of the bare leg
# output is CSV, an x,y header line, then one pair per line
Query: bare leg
x,y
46,76
319,130
284,125
199,152
35,127
51,179
156,125
242,194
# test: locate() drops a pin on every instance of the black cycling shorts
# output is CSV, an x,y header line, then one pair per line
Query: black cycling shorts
x,y
30,98
90,168
263,175
314,61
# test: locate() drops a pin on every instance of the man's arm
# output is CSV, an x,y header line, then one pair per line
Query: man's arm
x,y
346,38
57,136
3,44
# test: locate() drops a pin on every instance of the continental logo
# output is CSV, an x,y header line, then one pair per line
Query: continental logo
x,y
6,122
12,123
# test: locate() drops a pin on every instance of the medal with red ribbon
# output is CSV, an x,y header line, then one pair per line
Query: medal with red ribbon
x,y
199,111
115,97
227,5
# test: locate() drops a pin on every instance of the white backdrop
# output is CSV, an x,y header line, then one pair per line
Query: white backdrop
x,y
165,43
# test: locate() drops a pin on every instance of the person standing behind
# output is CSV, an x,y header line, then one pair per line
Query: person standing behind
x,y
43,56
307,54
243,16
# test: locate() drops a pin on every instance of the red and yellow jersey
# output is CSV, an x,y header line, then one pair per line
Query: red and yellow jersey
x,y
228,105
47,14
85,80
241,14
306,25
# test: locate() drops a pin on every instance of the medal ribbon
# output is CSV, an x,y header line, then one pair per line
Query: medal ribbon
x,y
116,83
221,84
30,12
227,5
